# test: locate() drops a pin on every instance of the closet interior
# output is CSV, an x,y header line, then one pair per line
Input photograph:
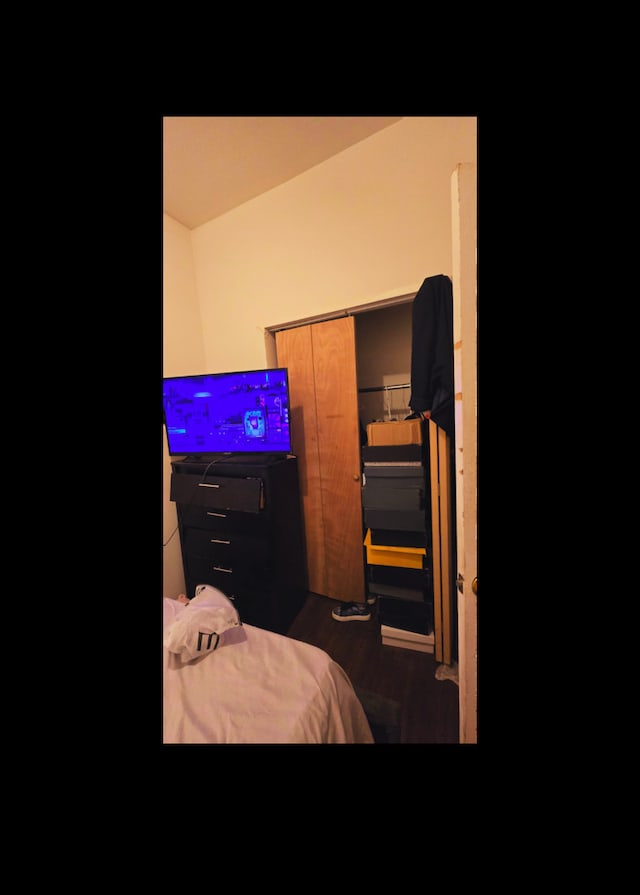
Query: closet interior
x,y
383,361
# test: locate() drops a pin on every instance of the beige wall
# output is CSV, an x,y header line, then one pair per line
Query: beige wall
x,y
182,341
368,224
183,352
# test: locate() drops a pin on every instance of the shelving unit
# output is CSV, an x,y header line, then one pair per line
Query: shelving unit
x,y
396,511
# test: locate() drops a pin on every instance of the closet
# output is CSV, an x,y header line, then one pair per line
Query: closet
x,y
343,373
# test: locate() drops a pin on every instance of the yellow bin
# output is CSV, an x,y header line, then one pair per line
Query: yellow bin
x,y
406,557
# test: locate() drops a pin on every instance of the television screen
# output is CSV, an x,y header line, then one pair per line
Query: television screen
x,y
240,412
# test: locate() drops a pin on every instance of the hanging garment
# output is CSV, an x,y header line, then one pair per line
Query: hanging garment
x,y
432,351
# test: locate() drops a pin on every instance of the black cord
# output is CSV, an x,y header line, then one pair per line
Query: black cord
x,y
170,536
215,460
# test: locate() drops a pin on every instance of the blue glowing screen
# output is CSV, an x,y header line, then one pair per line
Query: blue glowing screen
x,y
243,412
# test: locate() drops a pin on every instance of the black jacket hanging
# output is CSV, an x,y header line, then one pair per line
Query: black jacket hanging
x,y
432,351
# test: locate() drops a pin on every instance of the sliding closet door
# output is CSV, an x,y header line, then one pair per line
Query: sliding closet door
x,y
295,351
334,360
321,359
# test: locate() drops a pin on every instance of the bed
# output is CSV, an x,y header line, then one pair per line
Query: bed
x,y
225,682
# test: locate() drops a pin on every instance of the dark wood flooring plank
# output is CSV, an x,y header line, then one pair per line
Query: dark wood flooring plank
x,y
429,707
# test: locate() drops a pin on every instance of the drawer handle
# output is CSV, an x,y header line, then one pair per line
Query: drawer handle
x,y
207,485
221,569
220,515
219,541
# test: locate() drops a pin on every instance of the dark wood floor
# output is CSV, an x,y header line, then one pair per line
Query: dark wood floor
x,y
429,707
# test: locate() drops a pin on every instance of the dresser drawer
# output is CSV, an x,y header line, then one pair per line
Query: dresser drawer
x,y
228,549
227,578
242,494
222,520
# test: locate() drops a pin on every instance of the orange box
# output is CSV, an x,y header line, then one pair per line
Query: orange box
x,y
395,432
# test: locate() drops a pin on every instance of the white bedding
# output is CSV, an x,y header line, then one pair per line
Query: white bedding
x,y
267,689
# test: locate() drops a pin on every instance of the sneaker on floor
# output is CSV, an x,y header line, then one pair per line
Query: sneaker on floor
x,y
351,612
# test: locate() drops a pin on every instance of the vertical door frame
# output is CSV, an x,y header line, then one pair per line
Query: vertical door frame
x,y
465,353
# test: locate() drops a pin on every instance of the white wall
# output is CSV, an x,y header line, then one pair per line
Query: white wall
x,y
368,224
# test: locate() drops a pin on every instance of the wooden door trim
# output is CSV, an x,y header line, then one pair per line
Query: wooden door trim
x,y
344,312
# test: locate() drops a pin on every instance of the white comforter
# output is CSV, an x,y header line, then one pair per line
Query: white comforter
x,y
267,689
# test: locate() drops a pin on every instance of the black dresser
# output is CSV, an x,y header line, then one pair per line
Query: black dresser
x,y
241,530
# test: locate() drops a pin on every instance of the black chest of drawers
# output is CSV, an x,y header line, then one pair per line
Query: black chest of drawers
x,y
241,530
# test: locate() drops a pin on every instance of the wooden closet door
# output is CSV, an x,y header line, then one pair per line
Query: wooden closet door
x,y
321,359
294,351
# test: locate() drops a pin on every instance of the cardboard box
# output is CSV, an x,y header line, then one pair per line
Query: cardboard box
x,y
395,432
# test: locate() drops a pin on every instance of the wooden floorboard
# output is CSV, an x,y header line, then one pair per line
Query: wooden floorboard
x,y
429,707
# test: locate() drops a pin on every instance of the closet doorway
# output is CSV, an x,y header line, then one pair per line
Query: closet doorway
x,y
345,371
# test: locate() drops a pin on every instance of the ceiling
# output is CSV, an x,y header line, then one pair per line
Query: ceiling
x,y
213,164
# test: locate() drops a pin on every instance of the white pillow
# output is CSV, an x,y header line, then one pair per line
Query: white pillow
x,y
209,622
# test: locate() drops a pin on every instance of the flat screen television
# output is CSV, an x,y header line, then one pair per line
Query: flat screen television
x,y
244,412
